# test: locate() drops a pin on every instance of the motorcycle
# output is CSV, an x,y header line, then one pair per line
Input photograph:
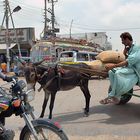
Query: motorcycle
x,y
34,129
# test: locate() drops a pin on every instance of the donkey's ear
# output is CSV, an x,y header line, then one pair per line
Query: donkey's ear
x,y
38,63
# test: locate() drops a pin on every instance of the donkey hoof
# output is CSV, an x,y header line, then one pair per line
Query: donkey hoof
x,y
41,116
86,114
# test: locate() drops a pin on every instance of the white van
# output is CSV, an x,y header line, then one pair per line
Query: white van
x,y
76,56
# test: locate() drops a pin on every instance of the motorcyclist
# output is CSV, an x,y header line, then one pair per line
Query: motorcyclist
x,y
5,134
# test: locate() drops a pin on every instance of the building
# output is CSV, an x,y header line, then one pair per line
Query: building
x,y
52,48
99,38
21,41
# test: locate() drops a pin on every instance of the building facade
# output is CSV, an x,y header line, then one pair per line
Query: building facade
x,y
20,40
99,38
49,48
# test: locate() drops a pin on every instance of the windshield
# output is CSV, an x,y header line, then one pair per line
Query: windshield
x,y
82,57
77,56
92,57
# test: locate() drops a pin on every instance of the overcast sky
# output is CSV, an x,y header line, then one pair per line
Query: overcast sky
x,y
110,16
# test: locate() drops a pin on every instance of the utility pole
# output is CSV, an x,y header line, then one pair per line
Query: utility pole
x,y
6,19
16,9
7,35
53,30
45,23
53,19
71,27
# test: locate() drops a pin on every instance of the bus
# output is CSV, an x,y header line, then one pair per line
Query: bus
x,y
45,49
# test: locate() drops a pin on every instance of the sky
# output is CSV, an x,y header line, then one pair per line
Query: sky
x,y
110,16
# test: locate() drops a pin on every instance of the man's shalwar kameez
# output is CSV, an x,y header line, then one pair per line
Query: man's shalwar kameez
x,y
122,79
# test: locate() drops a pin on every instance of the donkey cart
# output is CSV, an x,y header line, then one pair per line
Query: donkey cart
x,y
124,98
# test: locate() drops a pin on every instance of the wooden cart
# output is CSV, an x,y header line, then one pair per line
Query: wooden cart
x,y
89,71
124,98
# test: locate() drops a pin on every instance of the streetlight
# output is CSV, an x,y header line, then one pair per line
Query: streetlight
x,y
16,9
6,17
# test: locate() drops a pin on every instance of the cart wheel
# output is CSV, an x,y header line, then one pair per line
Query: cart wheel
x,y
125,97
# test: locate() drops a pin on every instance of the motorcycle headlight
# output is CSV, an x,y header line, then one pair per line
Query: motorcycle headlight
x,y
30,95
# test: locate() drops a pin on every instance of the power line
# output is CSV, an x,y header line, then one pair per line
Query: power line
x,y
27,6
32,13
87,27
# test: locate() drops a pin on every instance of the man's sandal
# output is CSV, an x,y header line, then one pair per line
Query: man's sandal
x,y
112,100
104,101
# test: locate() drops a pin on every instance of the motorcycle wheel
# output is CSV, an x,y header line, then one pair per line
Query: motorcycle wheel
x,y
45,131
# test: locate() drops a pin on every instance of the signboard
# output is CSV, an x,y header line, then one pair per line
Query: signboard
x,y
23,35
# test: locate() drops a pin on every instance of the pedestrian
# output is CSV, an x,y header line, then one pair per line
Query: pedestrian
x,y
124,75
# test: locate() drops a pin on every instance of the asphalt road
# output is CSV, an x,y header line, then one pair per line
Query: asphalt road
x,y
105,122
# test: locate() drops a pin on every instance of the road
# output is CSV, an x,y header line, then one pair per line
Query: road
x,y
105,122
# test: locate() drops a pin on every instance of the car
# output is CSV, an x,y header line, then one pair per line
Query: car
x,y
76,56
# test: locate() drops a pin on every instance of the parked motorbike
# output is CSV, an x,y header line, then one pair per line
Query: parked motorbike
x,y
34,129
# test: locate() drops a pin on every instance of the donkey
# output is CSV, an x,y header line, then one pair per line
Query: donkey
x,y
53,79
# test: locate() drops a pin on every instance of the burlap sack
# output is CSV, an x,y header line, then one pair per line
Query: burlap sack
x,y
110,56
96,65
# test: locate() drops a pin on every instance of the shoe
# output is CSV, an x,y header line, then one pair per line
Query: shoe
x,y
7,135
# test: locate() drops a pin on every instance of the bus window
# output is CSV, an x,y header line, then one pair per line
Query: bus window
x,y
68,56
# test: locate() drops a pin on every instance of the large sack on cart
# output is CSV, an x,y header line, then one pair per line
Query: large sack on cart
x,y
96,65
110,56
